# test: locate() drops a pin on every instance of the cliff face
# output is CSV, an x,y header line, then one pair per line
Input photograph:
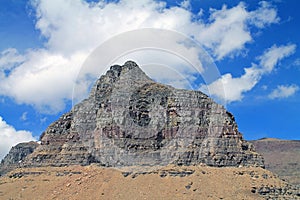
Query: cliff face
x,y
129,119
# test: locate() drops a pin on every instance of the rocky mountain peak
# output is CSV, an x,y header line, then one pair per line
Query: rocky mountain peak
x,y
129,119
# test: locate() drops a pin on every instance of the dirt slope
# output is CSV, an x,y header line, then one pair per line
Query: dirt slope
x,y
92,182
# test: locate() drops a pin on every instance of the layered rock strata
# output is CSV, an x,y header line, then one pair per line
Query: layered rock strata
x,y
129,119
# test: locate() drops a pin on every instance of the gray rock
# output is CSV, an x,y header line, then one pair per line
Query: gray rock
x,y
129,119
16,156
285,192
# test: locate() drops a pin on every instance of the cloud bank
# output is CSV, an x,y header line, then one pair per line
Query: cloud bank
x,y
44,77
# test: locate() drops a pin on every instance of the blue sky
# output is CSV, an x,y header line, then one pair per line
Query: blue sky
x,y
254,44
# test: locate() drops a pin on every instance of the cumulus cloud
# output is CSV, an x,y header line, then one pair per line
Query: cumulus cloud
x,y
273,55
229,29
44,77
283,91
10,137
45,80
264,15
230,89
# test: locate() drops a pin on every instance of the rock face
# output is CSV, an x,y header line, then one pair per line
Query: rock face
x,y
17,155
129,119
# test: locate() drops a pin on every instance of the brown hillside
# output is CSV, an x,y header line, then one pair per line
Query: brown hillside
x,y
281,157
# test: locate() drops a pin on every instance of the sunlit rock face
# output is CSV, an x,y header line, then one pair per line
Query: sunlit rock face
x,y
129,119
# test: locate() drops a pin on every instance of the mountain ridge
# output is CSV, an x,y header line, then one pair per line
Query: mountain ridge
x,y
281,157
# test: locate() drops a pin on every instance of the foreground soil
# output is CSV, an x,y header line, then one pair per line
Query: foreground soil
x,y
93,182
281,157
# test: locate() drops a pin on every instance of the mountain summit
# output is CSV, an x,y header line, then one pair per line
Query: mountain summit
x,y
130,120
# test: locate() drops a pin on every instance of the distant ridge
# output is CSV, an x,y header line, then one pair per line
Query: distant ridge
x,y
281,157
274,139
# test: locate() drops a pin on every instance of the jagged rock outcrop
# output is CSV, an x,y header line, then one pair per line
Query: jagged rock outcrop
x,y
129,119
17,155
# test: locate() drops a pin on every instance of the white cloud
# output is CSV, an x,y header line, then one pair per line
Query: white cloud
x,y
45,80
24,116
264,15
9,59
186,4
273,55
229,29
10,137
283,91
230,89
44,77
